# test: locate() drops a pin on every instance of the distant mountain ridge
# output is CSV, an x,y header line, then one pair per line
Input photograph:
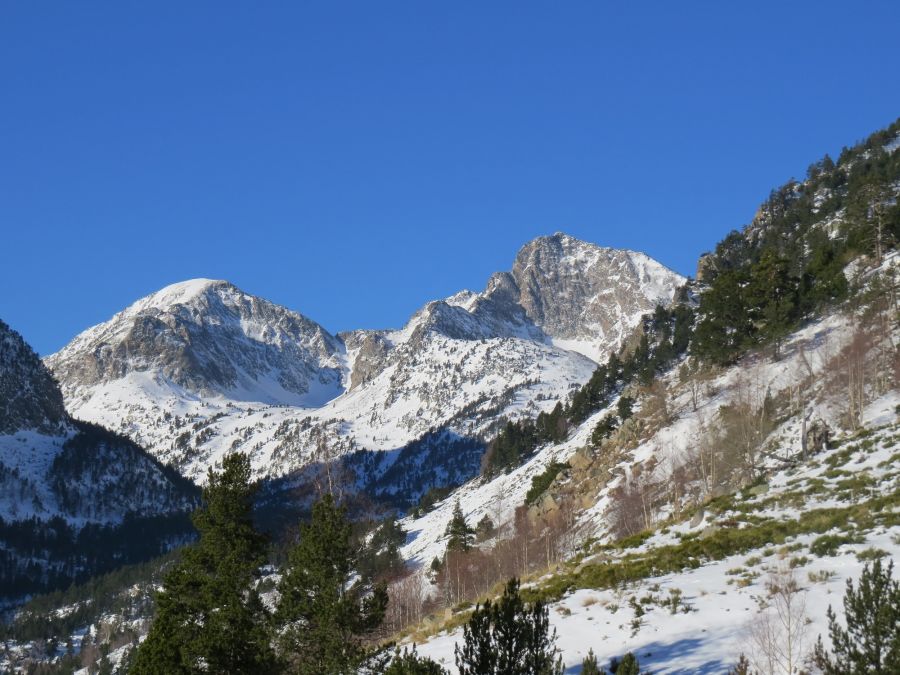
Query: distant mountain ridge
x,y
67,488
200,367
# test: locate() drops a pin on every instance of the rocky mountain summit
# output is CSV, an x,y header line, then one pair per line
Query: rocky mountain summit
x,y
585,294
210,339
201,368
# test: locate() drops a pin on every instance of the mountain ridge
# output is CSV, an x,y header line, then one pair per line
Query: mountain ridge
x,y
161,369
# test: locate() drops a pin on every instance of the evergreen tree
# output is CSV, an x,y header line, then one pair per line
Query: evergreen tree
x,y
379,557
209,618
772,294
509,637
603,430
627,666
323,615
589,665
460,535
724,328
624,407
871,641
742,667
408,662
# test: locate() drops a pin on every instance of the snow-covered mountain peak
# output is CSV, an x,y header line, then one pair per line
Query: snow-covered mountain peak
x,y
180,293
211,339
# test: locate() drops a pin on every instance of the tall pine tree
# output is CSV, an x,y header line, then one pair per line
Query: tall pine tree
x,y
509,637
772,295
459,535
324,615
209,617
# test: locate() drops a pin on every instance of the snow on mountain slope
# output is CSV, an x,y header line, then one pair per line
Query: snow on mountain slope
x,y
29,398
209,338
51,466
806,356
201,368
718,599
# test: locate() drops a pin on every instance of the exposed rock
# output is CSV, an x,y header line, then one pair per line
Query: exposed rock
x,y
817,437
577,291
758,490
709,531
698,518
706,266
370,350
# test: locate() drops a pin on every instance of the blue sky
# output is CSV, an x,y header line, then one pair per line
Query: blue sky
x,y
354,160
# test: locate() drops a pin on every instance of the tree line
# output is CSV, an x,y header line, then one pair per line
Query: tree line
x,y
789,263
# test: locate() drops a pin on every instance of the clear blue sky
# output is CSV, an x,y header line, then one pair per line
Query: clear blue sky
x,y
352,160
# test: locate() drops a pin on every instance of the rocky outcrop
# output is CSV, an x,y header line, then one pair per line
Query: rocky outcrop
x,y
575,290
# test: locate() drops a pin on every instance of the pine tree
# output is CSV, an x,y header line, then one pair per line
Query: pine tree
x,y
627,666
408,662
460,535
772,294
624,407
871,641
509,637
209,618
380,557
589,665
323,616
742,667
724,328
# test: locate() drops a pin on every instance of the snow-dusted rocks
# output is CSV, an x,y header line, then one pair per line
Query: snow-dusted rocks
x,y
587,297
29,398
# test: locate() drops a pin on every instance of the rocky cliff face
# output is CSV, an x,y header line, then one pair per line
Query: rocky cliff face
x,y
593,296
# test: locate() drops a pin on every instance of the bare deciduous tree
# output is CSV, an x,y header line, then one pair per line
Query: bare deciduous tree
x,y
779,633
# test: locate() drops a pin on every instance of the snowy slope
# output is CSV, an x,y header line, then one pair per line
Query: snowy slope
x,y
806,356
721,599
